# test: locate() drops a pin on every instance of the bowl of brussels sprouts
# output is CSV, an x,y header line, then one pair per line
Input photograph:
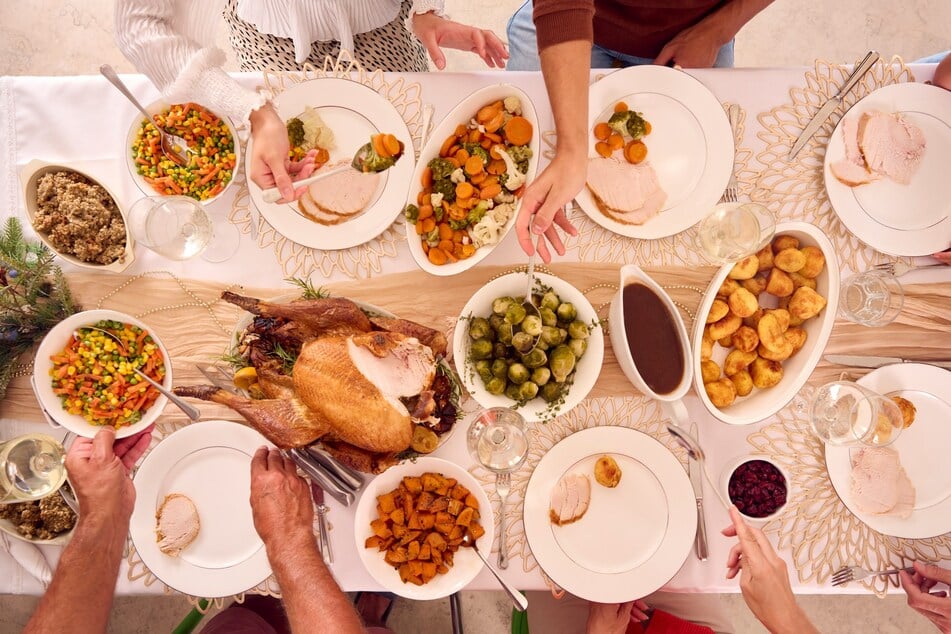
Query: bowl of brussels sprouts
x,y
501,366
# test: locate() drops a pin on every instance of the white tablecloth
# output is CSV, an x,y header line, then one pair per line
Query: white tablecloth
x,y
84,119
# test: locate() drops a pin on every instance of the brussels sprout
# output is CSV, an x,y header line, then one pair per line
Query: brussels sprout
x,y
562,362
515,314
532,324
552,336
483,368
496,321
578,347
481,349
541,376
500,305
505,333
527,391
549,301
518,373
495,385
535,358
552,391
500,351
523,342
548,316
566,312
479,328
512,392
578,330
500,368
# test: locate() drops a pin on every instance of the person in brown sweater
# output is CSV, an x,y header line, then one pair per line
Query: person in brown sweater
x,y
574,36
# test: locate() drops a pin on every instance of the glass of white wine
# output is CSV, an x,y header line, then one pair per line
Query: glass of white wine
x,y
845,413
733,231
31,467
179,228
497,439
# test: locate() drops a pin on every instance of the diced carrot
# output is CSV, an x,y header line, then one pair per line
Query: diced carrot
x,y
518,131
620,107
464,190
437,256
490,191
473,165
602,131
603,149
615,141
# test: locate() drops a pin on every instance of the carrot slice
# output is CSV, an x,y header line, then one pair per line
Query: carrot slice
x,y
446,245
446,146
602,131
437,256
461,130
615,141
490,191
428,224
473,165
379,145
464,190
425,212
603,149
635,152
478,179
426,179
392,144
461,155
518,131
445,231
486,113
647,127
620,107
495,122
496,166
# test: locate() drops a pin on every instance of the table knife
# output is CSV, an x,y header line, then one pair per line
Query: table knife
x,y
862,361
321,477
832,103
696,480
217,377
318,494
347,476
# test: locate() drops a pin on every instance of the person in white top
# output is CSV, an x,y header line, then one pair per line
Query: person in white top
x,y
173,43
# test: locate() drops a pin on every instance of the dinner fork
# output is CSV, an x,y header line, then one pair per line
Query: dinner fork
x,y
900,268
856,573
503,486
729,194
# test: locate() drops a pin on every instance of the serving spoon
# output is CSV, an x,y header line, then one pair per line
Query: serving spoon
x,y
521,603
686,440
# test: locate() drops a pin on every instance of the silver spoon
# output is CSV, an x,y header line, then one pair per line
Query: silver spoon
x,y
686,440
529,303
521,603
172,145
190,410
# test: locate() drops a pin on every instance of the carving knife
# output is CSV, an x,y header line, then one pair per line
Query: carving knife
x,y
696,480
834,102
316,473
861,361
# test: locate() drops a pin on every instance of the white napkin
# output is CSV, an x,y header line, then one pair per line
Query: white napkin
x,y
29,557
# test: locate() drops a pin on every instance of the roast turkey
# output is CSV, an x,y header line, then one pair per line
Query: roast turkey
x,y
879,145
627,193
569,499
879,483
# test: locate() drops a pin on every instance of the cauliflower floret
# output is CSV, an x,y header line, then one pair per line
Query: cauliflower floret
x,y
514,178
457,176
475,125
512,105
435,199
504,197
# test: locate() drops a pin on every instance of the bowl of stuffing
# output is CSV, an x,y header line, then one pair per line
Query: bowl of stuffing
x,y
77,217
211,165
48,520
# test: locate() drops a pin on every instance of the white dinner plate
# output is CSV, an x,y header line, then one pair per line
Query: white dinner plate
x,y
210,462
354,112
634,538
923,448
466,564
690,144
913,219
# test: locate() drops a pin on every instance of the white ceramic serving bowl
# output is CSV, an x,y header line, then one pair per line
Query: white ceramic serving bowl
x,y
464,112
154,108
30,175
587,369
55,341
732,466
672,402
6,526
761,404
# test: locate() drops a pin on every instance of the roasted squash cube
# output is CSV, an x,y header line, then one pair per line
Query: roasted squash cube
x,y
476,530
373,541
459,492
455,506
472,500
413,485
380,528
398,516
412,550
425,552
429,571
425,501
387,502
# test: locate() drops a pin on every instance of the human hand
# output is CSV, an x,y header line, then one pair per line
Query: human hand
x,y
435,32
99,474
936,607
764,579
943,256
543,204
270,165
614,618
280,502
694,47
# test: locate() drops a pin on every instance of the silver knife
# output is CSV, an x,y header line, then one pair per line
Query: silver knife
x,y
861,361
349,477
696,480
829,106
217,377
318,494
321,477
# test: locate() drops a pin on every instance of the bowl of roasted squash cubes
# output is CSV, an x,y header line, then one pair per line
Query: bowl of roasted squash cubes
x,y
410,524
763,324
469,179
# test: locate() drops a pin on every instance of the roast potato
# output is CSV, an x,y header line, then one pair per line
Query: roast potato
x,y
745,339
742,302
765,257
706,345
721,392
790,260
765,372
782,315
607,472
779,283
718,311
745,268
709,370
753,320
737,360
806,303
727,287
755,285
798,279
771,333
797,336
784,352
724,327
815,262
743,382
784,242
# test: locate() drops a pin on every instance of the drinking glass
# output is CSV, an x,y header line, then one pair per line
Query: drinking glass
x,y
31,467
872,298
845,413
733,231
497,439
179,228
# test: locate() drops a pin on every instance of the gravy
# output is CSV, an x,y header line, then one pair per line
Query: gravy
x,y
652,338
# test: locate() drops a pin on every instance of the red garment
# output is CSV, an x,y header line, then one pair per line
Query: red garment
x,y
633,27
663,623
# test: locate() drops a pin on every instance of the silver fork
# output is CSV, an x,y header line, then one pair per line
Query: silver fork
x,y
729,194
900,268
503,485
856,573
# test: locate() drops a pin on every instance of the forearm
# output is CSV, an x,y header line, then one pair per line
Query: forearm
x,y
793,622
85,579
566,67
312,599
730,18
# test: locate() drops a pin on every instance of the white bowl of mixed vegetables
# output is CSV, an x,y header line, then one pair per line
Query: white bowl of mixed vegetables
x,y
469,179
210,170
84,380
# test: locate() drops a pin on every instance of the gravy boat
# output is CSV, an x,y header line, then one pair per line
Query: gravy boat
x,y
671,402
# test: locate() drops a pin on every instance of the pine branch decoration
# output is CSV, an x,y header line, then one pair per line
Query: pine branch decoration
x,y
34,297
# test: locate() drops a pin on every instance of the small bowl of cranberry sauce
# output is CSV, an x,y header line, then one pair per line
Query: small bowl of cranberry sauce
x,y
758,488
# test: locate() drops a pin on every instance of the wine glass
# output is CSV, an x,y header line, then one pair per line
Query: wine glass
x,y
497,439
179,228
733,231
845,413
872,298
31,467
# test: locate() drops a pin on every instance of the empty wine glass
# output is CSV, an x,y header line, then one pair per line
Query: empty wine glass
x,y
179,228
845,413
31,467
497,439
733,231
872,298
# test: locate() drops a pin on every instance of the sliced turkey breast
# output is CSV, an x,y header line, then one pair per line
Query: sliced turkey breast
x,y
176,524
345,194
879,483
625,192
890,145
570,499
313,211
852,170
